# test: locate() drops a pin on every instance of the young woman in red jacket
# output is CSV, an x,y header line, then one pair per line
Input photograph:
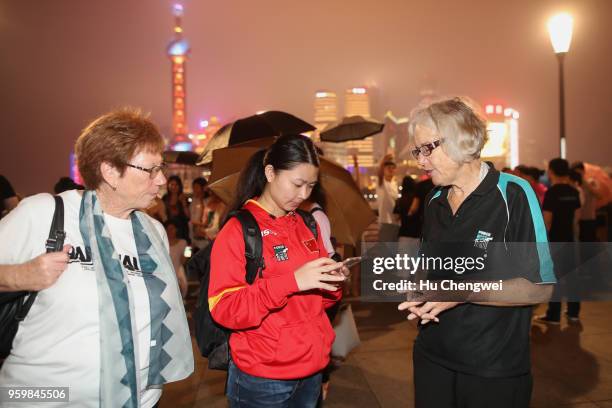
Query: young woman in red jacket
x,y
281,336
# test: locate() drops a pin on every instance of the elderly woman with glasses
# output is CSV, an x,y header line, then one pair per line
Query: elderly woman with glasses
x,y
472,349
110,325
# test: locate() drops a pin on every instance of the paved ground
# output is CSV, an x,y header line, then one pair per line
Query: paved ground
x,y
572,365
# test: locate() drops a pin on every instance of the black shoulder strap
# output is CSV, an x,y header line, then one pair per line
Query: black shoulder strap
x,y
253,246
54,243
309,220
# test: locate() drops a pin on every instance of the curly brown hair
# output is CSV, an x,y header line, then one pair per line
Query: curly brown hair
x,y
115,138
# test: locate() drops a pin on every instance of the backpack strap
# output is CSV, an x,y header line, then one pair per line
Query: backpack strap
x,y
314,210
253,246
309,220
54,243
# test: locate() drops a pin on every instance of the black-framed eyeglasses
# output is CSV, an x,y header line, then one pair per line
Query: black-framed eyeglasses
x,y
425,149
153,171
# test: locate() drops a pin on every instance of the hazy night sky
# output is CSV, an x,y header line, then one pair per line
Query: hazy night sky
x,y
63,62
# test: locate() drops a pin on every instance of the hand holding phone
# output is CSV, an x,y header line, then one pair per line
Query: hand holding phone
x,y
346,265
349,262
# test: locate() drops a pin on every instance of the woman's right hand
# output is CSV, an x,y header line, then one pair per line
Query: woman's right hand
x,y
317,274
42,271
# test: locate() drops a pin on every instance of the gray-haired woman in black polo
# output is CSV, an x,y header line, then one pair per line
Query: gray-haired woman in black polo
x,y
474,353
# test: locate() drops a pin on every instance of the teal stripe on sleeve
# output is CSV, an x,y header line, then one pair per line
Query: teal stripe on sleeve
x,y
546,264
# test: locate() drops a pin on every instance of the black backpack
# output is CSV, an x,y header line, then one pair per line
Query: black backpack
x,y
212,338
14,306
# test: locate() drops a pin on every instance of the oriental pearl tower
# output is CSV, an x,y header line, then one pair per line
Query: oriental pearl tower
x,y
178,50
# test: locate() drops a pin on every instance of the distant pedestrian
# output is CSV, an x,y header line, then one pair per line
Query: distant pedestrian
x,y
8,197
65,184
560,208
176,206
406,208
387,192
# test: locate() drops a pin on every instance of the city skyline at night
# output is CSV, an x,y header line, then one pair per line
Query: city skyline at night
x,y
68,65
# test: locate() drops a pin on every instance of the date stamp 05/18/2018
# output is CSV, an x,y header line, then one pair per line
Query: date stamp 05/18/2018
x,y
34,394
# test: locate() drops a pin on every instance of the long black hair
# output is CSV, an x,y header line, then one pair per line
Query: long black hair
x,y
318,196
284,154
178,181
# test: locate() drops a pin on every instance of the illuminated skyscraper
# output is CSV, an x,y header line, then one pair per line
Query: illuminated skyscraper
x,y
178,50
326,114
207,128
326,109
357,102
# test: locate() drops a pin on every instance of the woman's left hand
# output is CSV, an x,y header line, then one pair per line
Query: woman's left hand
x,y
426,311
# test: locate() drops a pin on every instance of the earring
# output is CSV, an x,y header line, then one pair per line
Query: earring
x,y
110,185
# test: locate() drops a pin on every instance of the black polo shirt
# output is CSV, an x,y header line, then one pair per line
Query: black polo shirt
x,y
562,200
487,341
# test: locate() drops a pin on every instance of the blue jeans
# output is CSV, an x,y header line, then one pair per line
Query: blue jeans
x,y
247,391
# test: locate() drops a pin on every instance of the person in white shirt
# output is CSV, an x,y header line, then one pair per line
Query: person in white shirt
x,y
387,192
177,254
112,327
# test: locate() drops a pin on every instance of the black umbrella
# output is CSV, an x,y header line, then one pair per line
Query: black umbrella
x,y
188,158
351,128
267,124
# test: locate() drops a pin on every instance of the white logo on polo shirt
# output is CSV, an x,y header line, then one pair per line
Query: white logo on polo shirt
x,y
482,239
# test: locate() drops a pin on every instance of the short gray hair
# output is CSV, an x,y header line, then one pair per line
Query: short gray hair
x,y
459,122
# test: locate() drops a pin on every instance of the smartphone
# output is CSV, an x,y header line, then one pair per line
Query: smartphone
x,y
348,262
187,253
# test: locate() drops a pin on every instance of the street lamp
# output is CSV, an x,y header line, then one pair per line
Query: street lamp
x,y
560,31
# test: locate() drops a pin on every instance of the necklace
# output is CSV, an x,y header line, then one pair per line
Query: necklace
x,y
484,169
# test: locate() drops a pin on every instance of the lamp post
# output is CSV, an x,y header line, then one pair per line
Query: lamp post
x,y
560,31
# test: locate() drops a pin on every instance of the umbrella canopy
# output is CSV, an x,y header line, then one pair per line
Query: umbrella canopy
x,y
351,128
603,183
264,125
188,158
349,213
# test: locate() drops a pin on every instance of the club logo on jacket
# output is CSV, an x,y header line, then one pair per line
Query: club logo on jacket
x,y
482,239
280,253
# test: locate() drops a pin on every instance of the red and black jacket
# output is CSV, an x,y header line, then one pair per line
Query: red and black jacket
x,y
278,332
